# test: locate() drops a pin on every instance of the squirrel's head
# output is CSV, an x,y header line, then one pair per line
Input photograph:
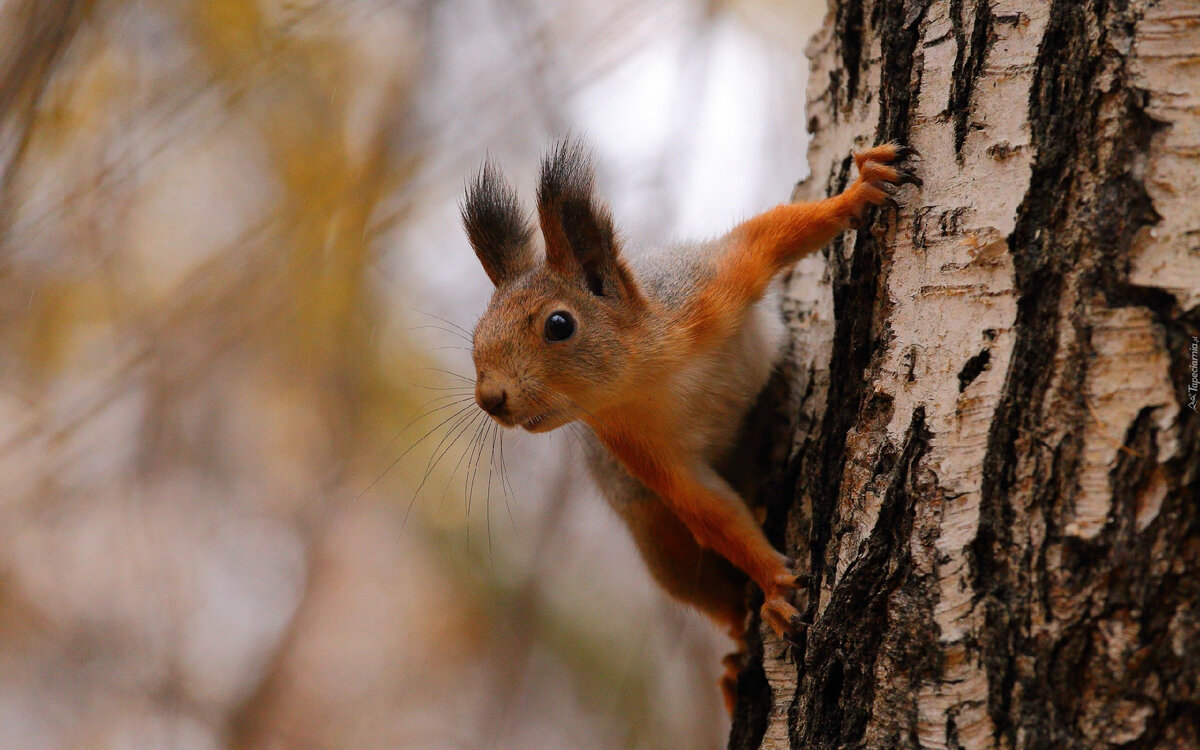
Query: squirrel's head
x,y
555,343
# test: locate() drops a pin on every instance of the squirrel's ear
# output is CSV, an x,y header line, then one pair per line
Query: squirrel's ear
x,y
578,230
496,226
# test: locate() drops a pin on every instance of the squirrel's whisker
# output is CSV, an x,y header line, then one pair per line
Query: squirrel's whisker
x,y
450,373
447,322
504,481
455,419
454,472
455,388
473,468
457,429
466,422
439,328
419,440
457,398
487,501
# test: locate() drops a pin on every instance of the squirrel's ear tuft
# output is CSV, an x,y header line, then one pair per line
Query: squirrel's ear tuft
x,y
497,226
578,230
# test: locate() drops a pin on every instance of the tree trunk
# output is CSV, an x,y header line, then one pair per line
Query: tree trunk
x,y
990,447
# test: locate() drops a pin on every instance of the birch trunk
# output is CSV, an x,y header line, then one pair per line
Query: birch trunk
x,y
990,446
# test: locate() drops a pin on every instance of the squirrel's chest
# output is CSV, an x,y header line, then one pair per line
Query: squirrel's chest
x,y
704,403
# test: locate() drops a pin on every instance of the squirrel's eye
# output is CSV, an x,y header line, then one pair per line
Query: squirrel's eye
x,y
559,326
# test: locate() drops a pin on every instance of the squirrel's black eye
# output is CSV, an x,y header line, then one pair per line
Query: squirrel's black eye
x,y
559,326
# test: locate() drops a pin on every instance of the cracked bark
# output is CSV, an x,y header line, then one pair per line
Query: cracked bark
x,y
983,450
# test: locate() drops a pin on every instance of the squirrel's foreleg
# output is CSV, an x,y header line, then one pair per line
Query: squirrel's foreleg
x,y
759,248
775,239
717,517
721,521
755,251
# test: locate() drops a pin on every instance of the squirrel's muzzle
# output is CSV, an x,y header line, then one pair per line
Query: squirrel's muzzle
x,y
491,400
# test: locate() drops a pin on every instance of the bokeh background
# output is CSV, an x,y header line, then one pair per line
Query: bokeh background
x,y
233,300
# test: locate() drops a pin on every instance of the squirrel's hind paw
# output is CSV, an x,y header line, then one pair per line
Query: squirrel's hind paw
x,y
733,664
778,611
783,617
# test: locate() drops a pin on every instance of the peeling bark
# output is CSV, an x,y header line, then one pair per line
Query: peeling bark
x,y
987,459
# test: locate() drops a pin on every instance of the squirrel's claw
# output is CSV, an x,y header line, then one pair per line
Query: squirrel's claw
x,y
798,626
778,611
907,152
791,580
907,175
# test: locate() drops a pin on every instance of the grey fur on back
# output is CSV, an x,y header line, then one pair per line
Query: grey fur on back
x,y
671,273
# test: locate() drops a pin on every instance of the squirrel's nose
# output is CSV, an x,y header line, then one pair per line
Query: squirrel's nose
x,y
491,400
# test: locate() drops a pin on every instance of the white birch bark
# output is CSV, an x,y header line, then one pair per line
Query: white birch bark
x,y
993,475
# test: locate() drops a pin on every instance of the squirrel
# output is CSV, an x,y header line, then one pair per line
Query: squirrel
x,y
661,354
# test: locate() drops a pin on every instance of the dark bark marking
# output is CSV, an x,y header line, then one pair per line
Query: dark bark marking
x,y
1156,675
952,731
766,470
909,363
920,216
856,284
856,290
1001,150
1009,19
858,309
842,647
849,26
973,368
898,24
950,222
842,178
1058,99
1074,232
968,65
832,683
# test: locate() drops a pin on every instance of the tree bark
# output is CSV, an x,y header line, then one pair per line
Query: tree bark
x,y
988,452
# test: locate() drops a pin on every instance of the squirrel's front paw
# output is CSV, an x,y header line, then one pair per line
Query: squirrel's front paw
x,y
879,174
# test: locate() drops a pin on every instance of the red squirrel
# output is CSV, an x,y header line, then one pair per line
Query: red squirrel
x,y
661,354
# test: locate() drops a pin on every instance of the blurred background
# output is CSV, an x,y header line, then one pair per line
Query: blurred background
x,y
243,501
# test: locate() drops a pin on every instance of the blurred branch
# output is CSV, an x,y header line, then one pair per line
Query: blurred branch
x,y
36,34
